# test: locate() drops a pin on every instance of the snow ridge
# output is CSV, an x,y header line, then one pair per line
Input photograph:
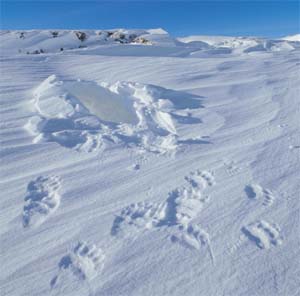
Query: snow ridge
x,y
83,41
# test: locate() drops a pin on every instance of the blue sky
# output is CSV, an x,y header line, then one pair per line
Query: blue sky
x,y
237,17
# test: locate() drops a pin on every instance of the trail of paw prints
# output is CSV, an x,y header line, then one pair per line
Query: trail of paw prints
x,y
231,168
255,191
138,216
41,201
232,248
200,179
83,263
177,213
184,205
260,233
193,236
263,234
188,202
181,207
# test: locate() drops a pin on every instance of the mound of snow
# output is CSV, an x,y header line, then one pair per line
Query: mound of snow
x,y
295,37
219,44
157,31
85,115
45,41
270,45
211,40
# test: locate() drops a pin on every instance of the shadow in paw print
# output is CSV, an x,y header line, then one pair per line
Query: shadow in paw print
x,y
170,218
251,237
116,225
250,192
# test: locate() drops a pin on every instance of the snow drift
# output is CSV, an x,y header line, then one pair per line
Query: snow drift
x,y
85,115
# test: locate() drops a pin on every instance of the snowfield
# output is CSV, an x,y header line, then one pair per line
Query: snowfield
x,y
134,163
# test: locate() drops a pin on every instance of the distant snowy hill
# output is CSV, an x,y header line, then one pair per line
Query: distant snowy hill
x,y
292,38
244,44
51,41
42,41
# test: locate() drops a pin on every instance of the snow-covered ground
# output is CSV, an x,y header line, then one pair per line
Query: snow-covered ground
x,y
133,163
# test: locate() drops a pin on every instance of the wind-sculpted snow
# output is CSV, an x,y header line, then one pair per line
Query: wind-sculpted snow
x,y
41,201
239,45
87,116
139,42
177,176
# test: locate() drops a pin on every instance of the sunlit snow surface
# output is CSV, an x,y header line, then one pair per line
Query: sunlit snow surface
x,y
166,168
